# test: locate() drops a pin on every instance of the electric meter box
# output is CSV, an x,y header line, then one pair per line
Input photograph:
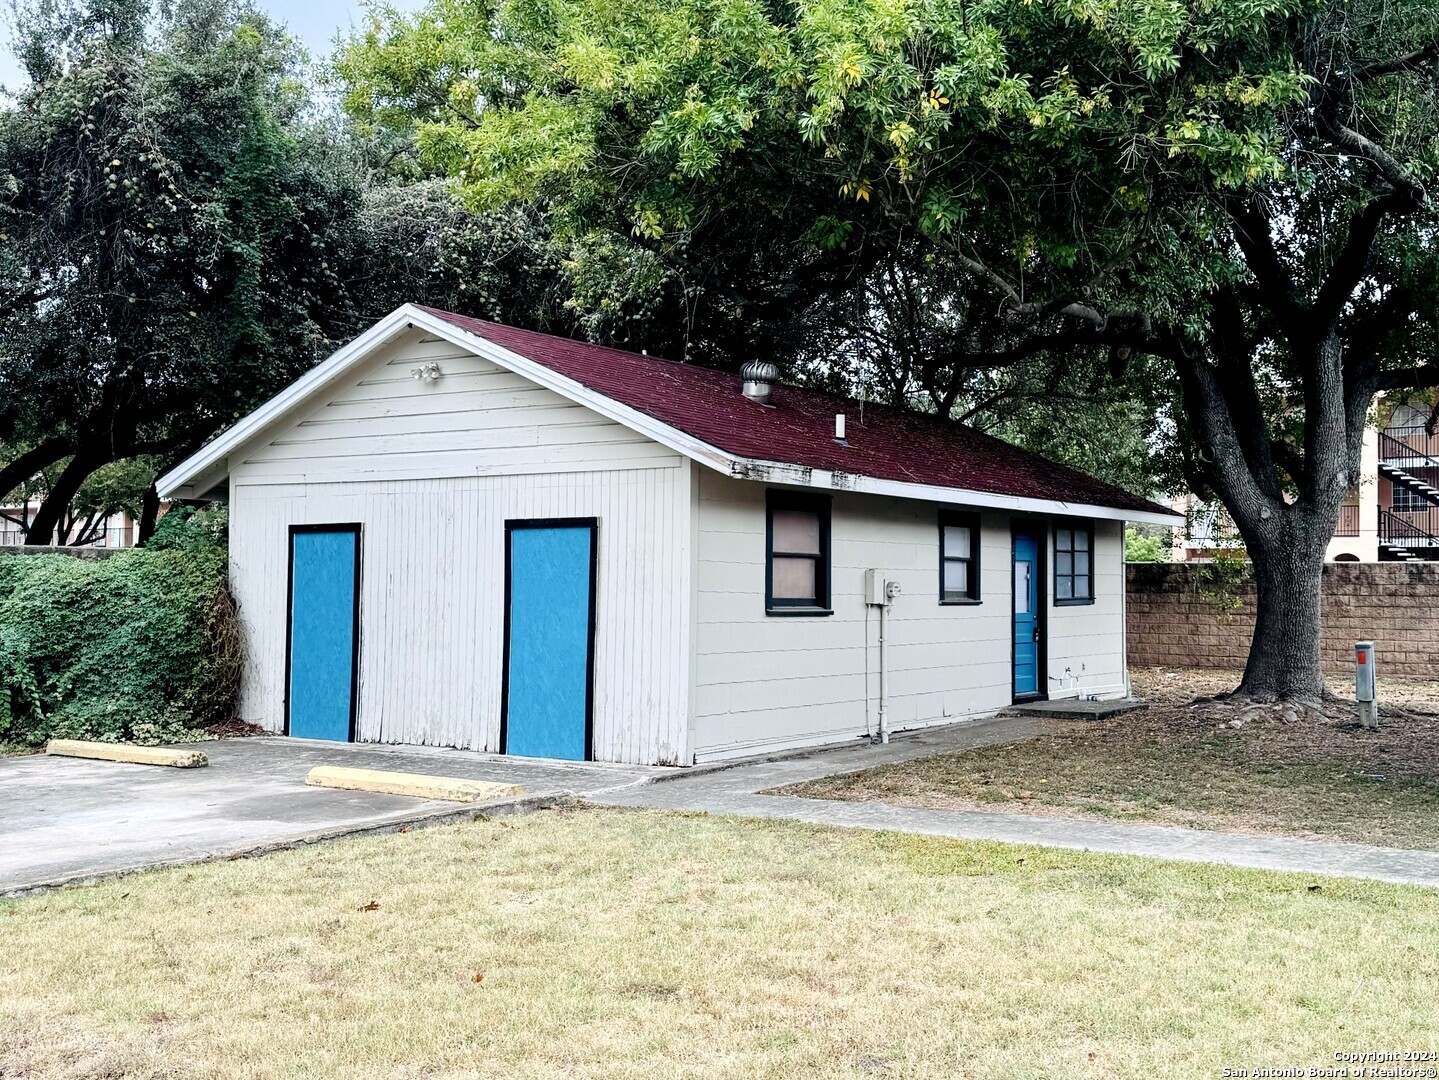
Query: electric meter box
x,y
874,594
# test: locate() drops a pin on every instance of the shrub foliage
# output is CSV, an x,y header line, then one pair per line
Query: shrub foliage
x,y
142,646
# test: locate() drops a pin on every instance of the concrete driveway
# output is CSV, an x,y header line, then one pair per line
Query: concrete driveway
x,y
65,821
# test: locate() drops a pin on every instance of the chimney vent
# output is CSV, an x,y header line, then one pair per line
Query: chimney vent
x,y
759,377
839,427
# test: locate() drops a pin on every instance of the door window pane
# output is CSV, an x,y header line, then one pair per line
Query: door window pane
x,y
1021,588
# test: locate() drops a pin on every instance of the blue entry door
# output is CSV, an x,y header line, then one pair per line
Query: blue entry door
x,y
548,644
324,631
1026,614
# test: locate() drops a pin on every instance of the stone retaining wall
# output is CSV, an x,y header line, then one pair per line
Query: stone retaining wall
x,y
1173,624
73,552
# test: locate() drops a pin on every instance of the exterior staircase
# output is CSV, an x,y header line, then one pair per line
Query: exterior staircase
x,y
1400,539
1397,458
1406,535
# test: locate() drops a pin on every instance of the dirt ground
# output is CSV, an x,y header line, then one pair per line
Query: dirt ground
x,y
1182,685
1205,764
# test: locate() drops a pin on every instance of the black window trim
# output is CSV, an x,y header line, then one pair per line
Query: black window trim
x,y
965,519
812,504
1412,501
1073,525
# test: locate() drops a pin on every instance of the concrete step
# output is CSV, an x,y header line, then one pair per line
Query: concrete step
x,y
1078,708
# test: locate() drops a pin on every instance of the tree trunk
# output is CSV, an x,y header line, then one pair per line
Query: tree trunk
x,y
47,519
149,515
1288,572
1285,503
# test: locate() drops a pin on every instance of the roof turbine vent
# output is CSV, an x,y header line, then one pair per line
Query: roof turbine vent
x,y
759,377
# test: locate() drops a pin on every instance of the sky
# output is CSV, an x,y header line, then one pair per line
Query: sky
x,y
315,22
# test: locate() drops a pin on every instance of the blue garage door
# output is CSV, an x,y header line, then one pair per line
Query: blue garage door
x,y
548,625
324,610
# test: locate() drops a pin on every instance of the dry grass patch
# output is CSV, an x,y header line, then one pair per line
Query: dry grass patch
x,y
1180,686
1207,765
621,944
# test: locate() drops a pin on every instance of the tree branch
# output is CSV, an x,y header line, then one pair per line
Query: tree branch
x,y
1352,261
1422,376
1225,469
1413,62
1234,356
18,470
1256,241
1345,138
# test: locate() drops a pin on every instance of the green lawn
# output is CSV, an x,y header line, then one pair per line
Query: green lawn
x,y
614,944
1209,766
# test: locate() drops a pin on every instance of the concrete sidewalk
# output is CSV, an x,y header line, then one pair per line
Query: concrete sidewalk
x,y
735,791
68,821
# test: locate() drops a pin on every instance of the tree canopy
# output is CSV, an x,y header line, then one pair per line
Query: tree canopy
x,y
1141,235
1227,202
183,232
163,234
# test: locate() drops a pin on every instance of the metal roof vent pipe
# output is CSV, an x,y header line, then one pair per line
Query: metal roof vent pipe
x,y
759,378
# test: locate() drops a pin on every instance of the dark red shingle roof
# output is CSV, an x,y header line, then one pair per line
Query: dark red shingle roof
x,y
798,428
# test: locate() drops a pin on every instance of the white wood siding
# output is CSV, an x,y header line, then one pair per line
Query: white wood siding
x,y
432,470
1086,641
764,682
477,419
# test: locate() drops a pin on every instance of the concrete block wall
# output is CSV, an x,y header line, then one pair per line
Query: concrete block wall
x,y
1173,624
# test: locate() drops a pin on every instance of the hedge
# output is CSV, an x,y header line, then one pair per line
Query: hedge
x,y
142,646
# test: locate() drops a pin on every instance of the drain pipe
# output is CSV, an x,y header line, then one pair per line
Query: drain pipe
x,y
880,593
883,707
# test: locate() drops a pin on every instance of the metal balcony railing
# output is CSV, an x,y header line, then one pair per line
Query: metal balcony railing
x,y
1417,530
1409,448
1348,521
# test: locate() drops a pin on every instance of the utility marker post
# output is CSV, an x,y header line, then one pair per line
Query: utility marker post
x,y
1364,688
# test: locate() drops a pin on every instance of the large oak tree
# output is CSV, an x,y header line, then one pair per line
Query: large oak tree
x,y
1232,196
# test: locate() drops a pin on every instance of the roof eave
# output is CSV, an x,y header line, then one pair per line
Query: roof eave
x,y
776,472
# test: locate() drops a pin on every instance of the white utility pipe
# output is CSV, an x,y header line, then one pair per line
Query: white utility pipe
x,y
883,725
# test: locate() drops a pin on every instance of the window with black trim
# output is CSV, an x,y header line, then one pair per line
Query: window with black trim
x,y
797,555
1074,564
958,557
1406,501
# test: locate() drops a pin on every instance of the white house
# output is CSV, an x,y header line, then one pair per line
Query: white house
x,y
461,534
